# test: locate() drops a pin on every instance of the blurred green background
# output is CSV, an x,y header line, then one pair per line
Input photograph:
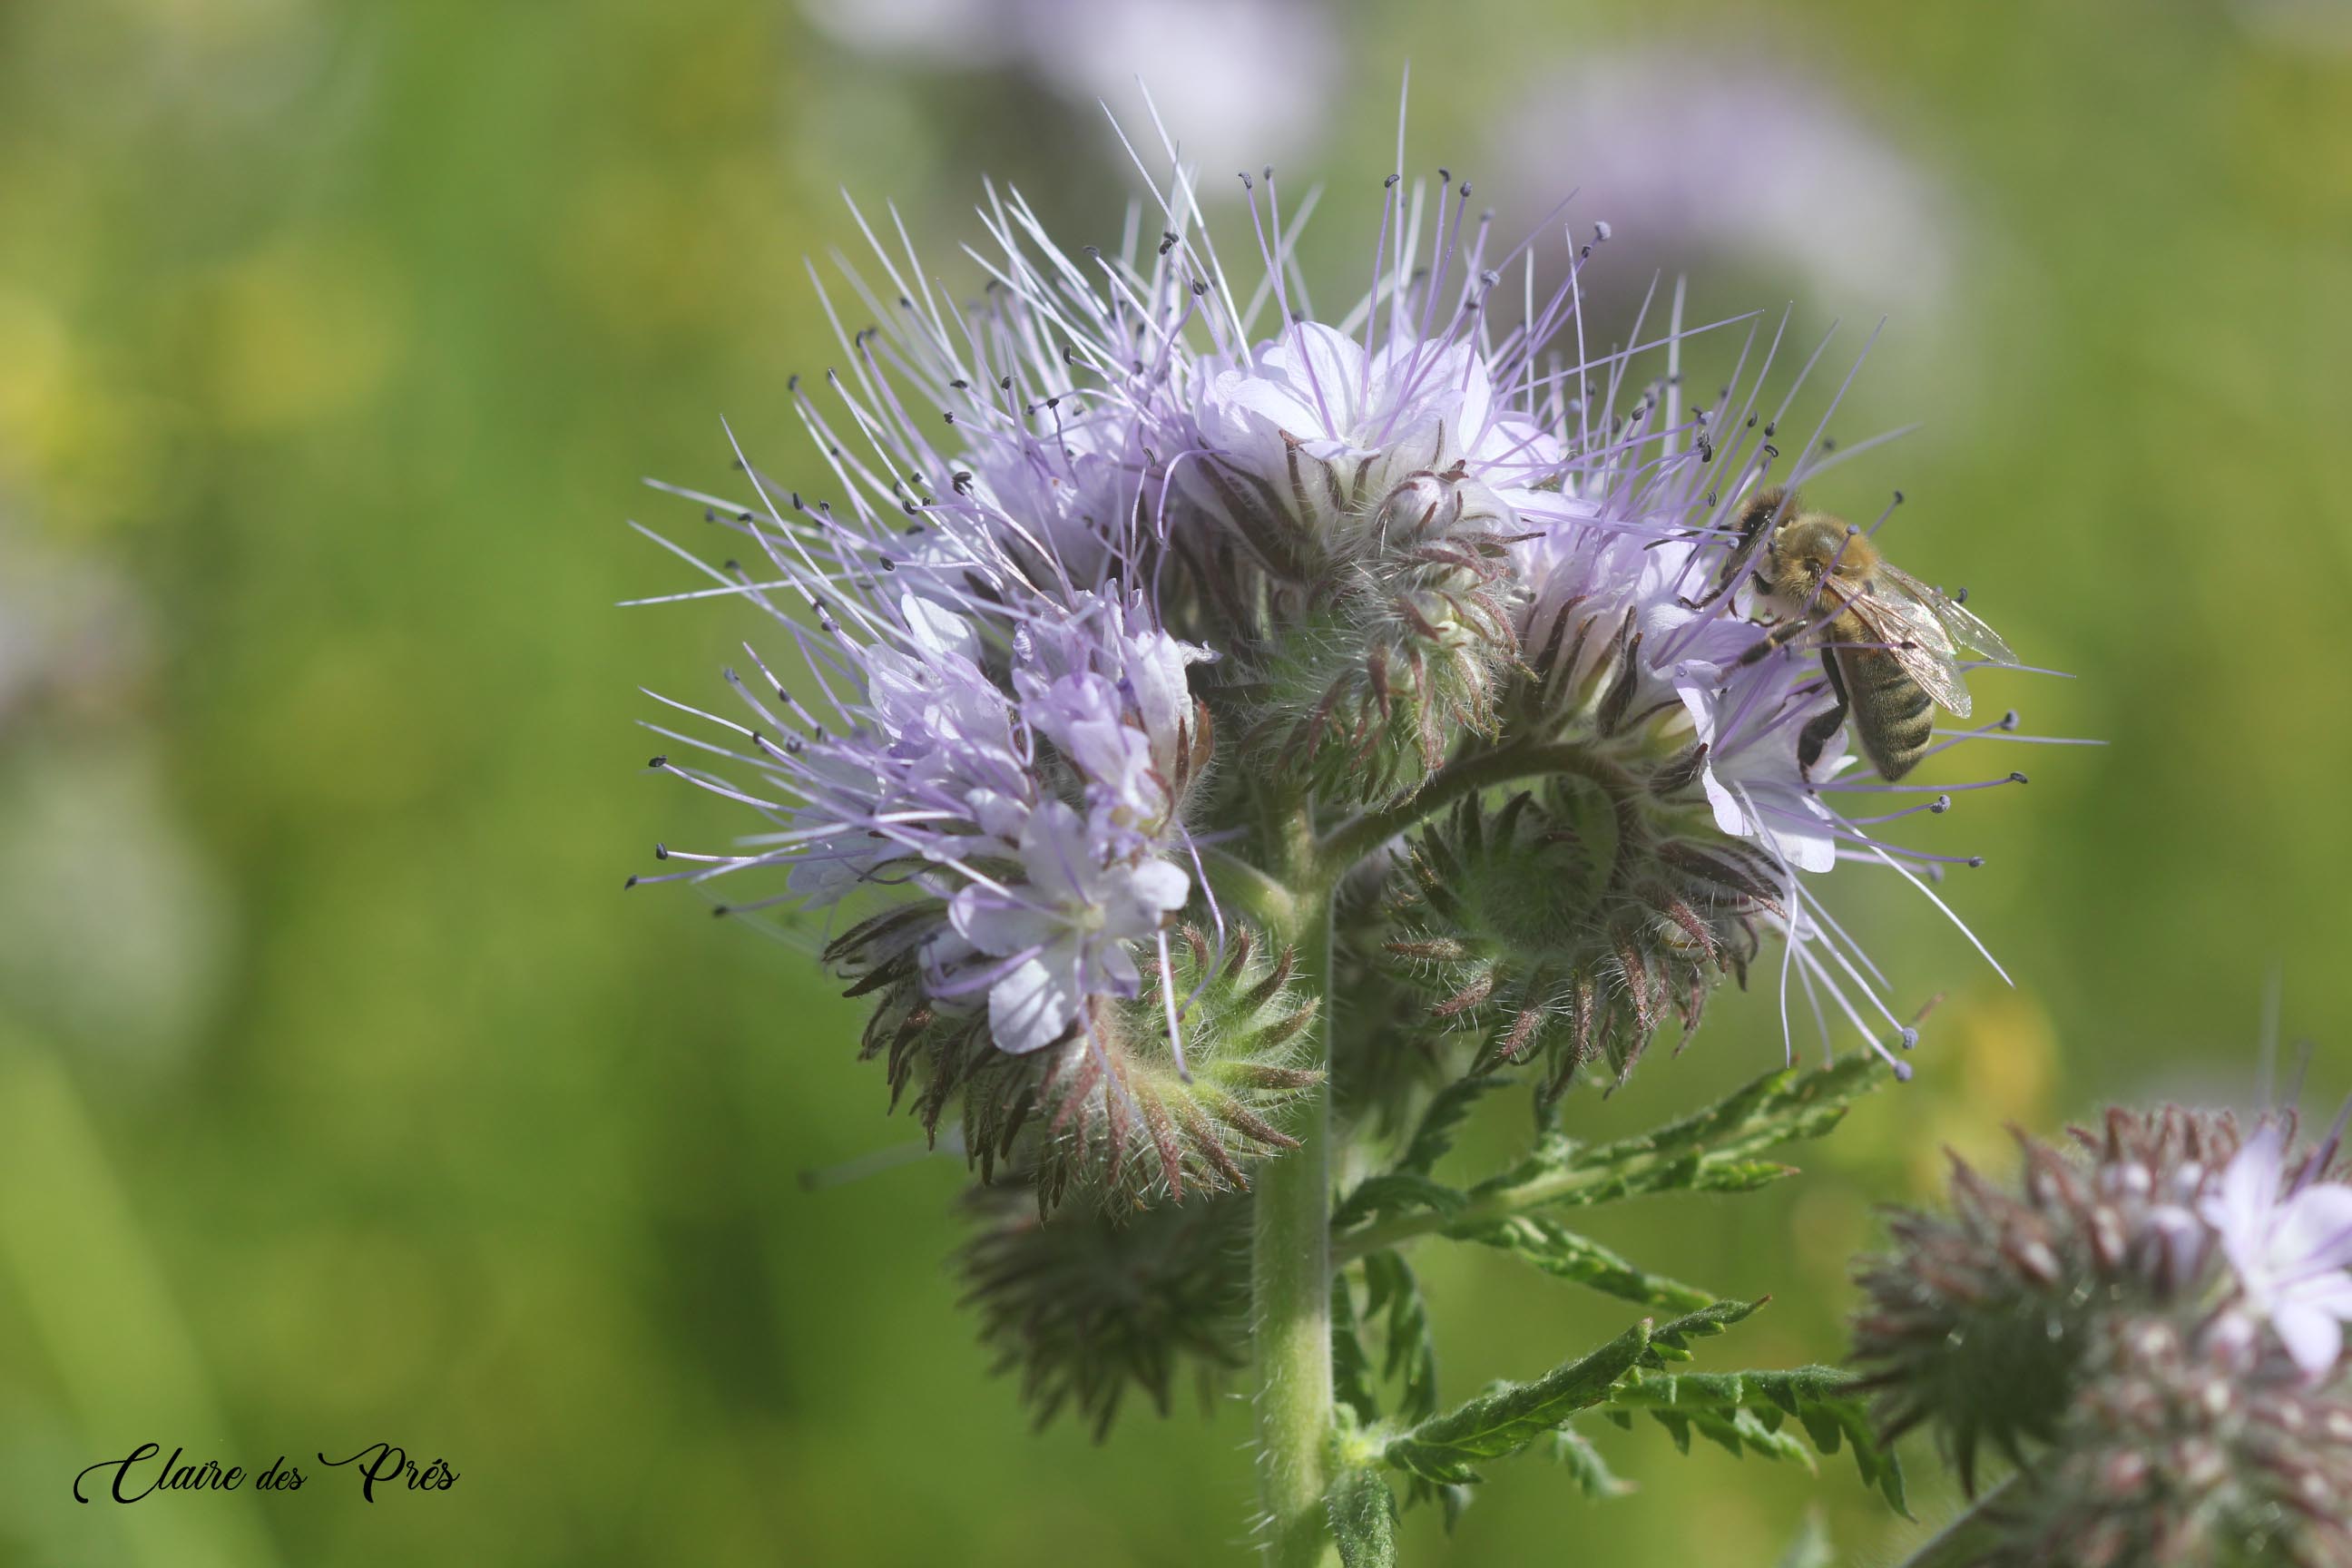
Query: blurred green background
x,y
344,1097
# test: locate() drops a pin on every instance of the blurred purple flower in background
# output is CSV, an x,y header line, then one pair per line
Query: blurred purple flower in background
x,y
1248,79
1699,160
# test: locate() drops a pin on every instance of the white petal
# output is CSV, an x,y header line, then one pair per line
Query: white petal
x,y
2313,1338
1029,1008
2314,1229
999,926
2240,1211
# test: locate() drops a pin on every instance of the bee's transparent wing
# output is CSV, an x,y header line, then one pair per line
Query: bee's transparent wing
x,y
1915,638
1966,629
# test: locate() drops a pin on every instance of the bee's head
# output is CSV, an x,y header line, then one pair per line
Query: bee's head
x,y
1807,549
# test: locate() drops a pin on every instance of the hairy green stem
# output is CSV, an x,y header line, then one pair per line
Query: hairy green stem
x,y
1965,1540
1367,831
1290,1268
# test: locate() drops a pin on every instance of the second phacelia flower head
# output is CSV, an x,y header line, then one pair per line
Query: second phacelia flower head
x,y
2150,1329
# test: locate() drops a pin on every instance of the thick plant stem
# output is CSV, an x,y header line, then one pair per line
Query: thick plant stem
x,y
1290,1270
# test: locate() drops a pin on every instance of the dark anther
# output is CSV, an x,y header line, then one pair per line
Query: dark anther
x,y
1974,861
1772,429
1898,498
1465,190
1940,805
1199,287
1004,384
796,502
661,851
793,381
905,303
1828,444
1268,173
719,910
1959,595
1447,175
659,761
731,565
961,385
1167,240
1247,183
1389,183
962,481
2008,720
949,417
630,883
743,517
708,515
1052,403
2017,778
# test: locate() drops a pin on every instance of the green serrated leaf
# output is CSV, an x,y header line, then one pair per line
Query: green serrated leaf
x,y
1672,1340
1397,1192
1510,1415
1434,1137
1748,1410
1591,1472
1737,1175
1556,1250
1712,1149
1363,1518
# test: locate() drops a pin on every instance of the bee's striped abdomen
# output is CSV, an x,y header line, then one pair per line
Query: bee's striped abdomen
x,y
1892,714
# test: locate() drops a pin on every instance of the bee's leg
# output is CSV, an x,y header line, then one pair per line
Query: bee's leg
x,y
1815,736
1762,512
1779,637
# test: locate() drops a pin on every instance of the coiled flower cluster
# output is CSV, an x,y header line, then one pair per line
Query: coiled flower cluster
x,y
2150,1330
1104,570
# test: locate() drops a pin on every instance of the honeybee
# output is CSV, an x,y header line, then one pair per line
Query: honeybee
x,y
1889,643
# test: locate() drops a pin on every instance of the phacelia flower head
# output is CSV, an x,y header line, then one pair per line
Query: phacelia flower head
x,y
1107,563
2149,1330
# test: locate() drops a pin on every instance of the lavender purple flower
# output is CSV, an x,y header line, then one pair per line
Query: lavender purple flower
x,y
1083,526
